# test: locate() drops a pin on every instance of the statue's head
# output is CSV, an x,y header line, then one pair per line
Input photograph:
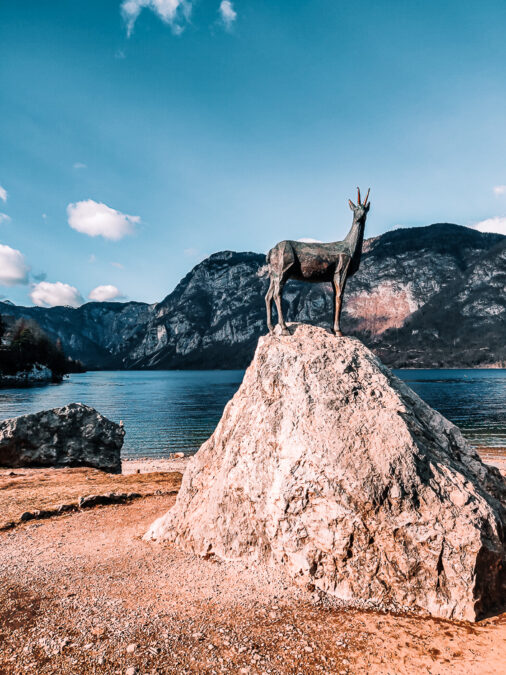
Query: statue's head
x,y
360,210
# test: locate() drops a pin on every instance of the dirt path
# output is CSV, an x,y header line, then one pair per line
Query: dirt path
x,y
82,593
27,491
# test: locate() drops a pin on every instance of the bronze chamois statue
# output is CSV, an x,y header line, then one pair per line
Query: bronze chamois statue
x,y
336,262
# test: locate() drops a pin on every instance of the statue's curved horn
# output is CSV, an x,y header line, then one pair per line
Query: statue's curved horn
x,y
358,190
367,197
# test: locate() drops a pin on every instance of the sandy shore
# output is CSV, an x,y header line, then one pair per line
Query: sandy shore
x,y
82,592
148,465
494,456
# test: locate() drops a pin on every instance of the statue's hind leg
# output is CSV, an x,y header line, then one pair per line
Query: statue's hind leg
x,y
281,259
278,290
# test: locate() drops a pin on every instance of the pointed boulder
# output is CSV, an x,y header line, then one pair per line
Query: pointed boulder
x,y
326,463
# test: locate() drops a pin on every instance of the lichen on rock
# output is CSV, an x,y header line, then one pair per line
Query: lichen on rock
x,y
326,463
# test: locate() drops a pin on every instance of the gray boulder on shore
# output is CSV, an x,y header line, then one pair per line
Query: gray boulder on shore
x,y
327,464
74,435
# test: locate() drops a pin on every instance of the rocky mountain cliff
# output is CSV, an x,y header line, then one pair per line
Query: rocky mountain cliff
x,y
414,290
428,296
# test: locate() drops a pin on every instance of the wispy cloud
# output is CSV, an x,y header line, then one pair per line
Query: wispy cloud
x,y
92,259
97,219
106,293
46,294
495,224
175,13
3,194
227,13
4,218
79,165
40,276
191,252
195,254
499,190
118,265
13,266
309,240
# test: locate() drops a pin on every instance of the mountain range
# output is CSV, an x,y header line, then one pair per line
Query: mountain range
x,y
430,296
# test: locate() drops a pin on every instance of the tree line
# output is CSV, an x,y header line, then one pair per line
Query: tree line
x,y
23,344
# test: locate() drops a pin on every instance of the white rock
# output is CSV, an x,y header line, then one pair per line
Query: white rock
x,y
326,463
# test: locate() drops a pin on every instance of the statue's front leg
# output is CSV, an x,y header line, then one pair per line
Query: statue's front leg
x,y
278,289
337,308
268,306
339,285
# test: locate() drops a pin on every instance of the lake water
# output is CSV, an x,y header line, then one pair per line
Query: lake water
x,y
171,411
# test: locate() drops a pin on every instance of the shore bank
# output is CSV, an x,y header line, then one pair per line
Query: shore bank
x,y
45,490
494,456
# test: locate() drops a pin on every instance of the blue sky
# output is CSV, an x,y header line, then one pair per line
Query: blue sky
x,y
232,126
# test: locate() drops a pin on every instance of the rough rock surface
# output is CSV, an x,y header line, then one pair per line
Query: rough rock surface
x,y
328,464
74,435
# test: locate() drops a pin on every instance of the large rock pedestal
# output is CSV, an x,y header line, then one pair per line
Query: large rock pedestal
x,y
74,435
328,464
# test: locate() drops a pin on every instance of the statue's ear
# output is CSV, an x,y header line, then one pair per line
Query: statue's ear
x,y
368,207
352,205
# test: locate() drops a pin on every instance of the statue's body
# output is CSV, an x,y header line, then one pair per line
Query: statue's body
x,y
335,262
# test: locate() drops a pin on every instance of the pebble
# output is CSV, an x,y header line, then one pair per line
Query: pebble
x,y
131,648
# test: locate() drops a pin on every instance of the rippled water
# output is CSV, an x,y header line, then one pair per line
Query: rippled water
x,y
170,411
474,400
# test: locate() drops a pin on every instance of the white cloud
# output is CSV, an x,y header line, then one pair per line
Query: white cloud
x,y
13,267
499,190
191,252
79,165
309,240
495,224
3,194
105,293
4,218
173,12
46,294
118,265
97,219
227,13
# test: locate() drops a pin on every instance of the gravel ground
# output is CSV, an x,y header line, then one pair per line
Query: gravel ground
x,y
82,593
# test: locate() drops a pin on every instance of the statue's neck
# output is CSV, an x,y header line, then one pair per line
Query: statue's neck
x,y
356,234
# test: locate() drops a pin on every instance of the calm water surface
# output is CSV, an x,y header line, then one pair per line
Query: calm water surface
x,y
171,411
